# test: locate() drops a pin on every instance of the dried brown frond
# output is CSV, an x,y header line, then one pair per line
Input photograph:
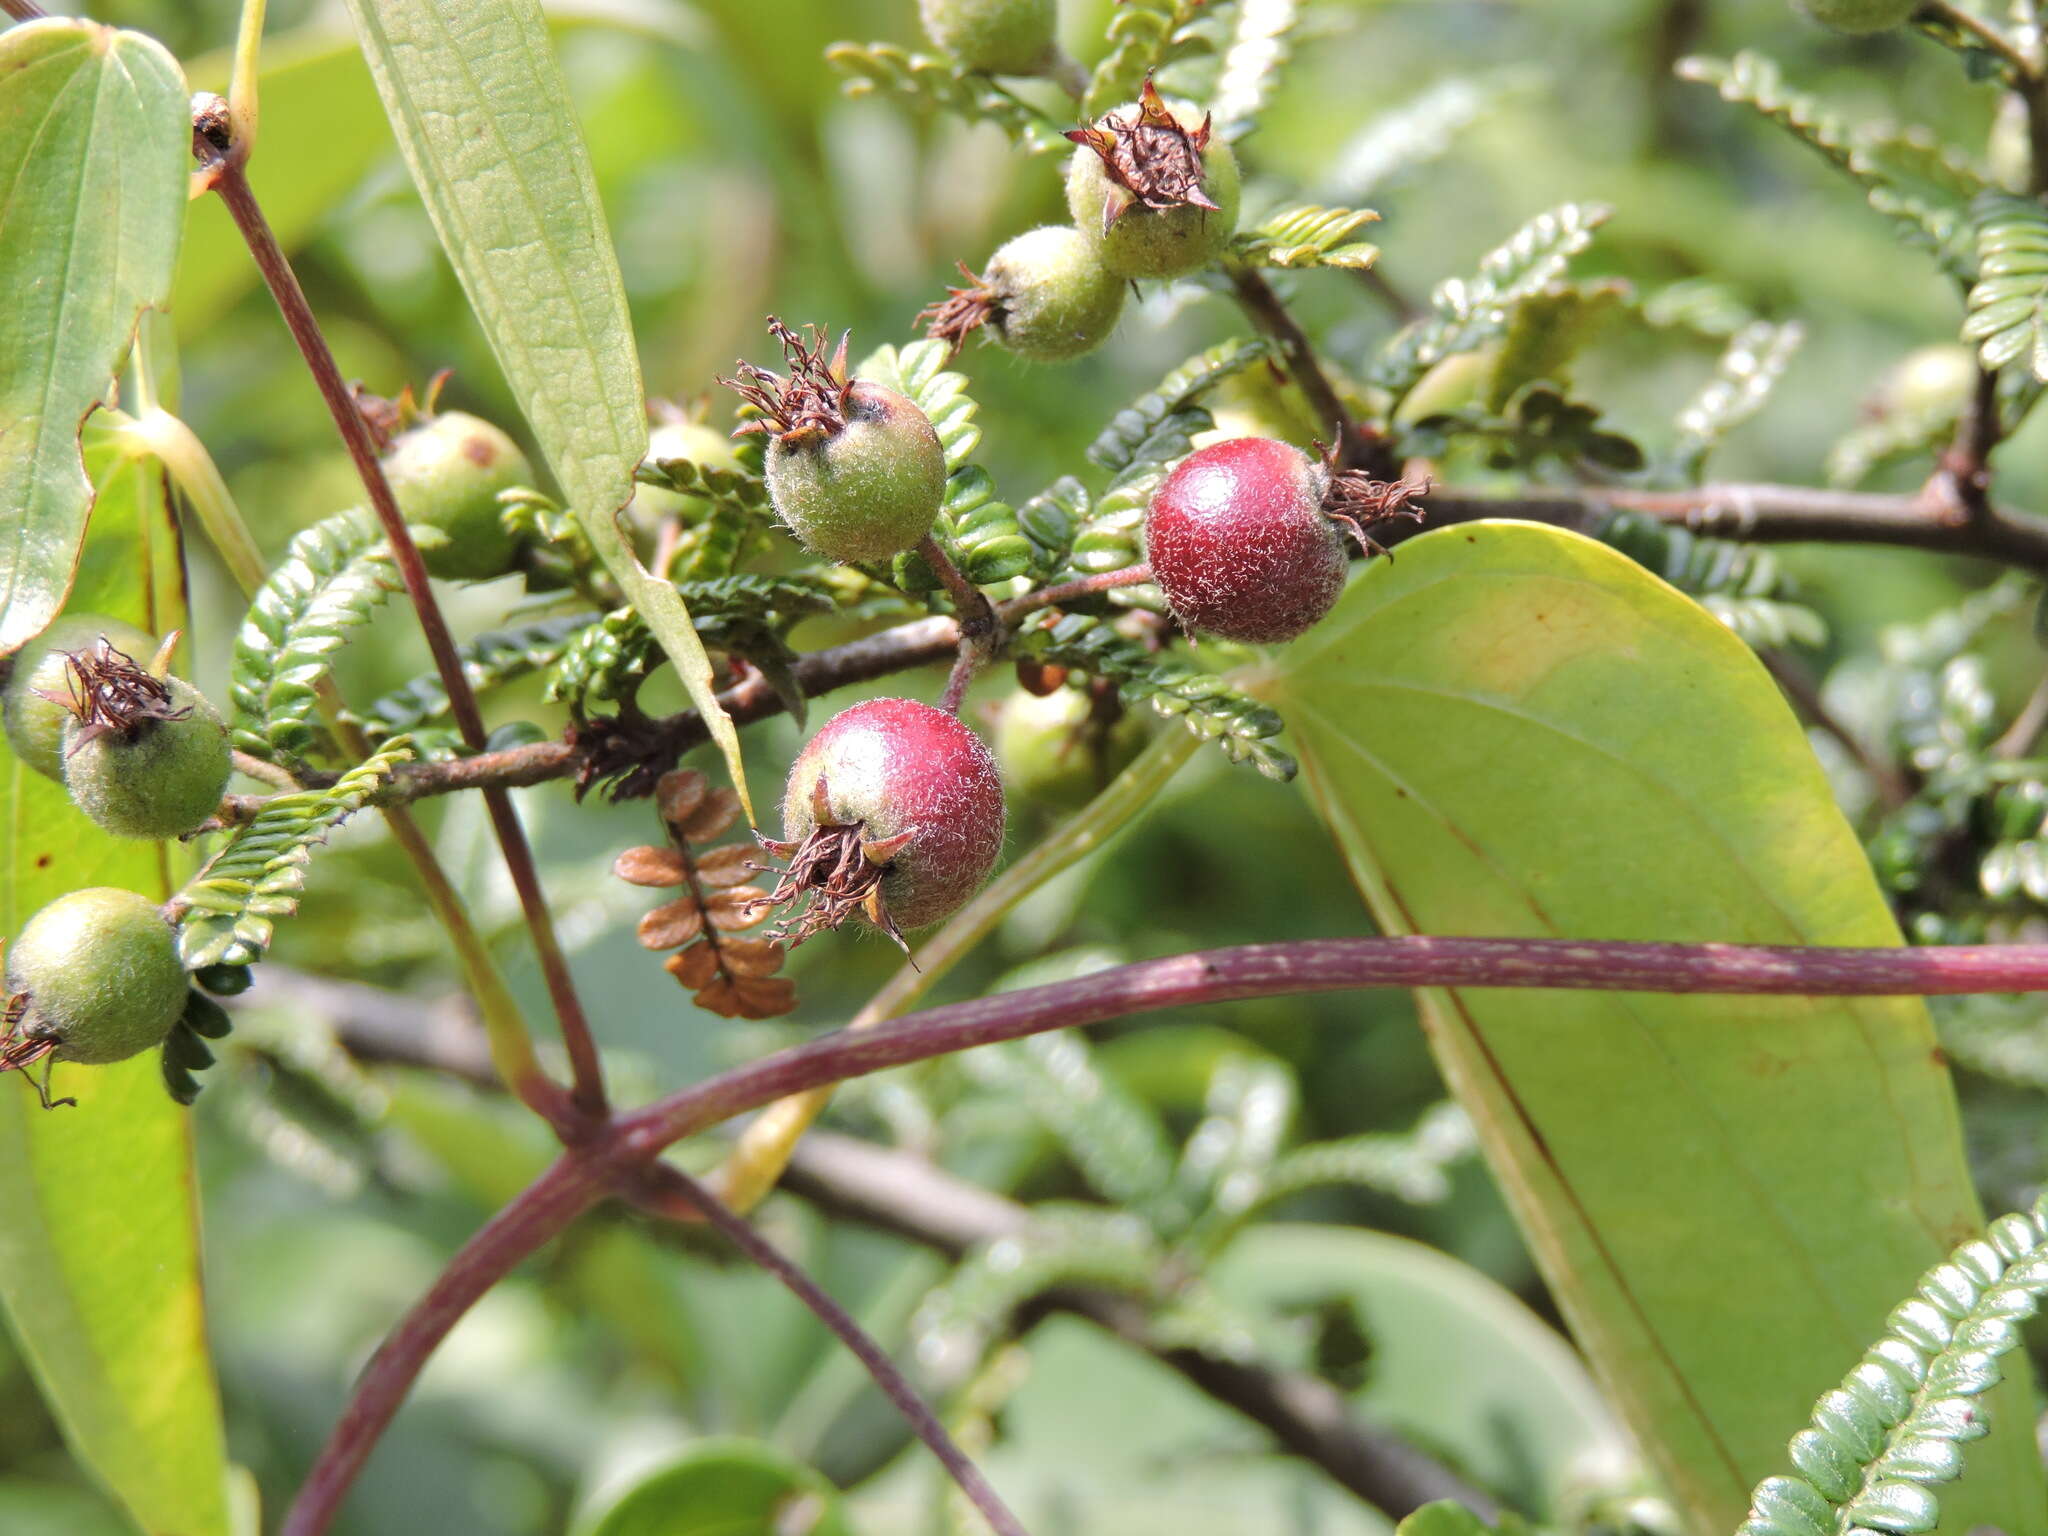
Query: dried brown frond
x,y
808,402
732,977
1146,151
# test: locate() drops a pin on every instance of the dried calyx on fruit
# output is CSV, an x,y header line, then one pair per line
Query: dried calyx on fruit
x,y
854,469
446,471
145,754
1003,37
1243,536
37,701
1045,296
894,810
93,978
1156,190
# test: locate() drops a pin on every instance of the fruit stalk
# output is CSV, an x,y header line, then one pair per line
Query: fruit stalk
x,y
980,629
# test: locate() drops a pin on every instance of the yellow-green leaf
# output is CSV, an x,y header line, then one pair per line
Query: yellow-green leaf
x,y
95,138
482,115
1516,730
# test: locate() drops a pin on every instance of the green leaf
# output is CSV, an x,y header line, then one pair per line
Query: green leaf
x,y
940,84
1252,59
95,139
1309,235
981,535
725,1487
2008,318
332,577
1143,36
1120,444
918,370
99,1249
1443,1518
1425,127
493,658
1765,1176
482,115
1755,360
234,902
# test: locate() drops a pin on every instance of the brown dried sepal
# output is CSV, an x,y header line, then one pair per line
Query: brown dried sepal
x,y
839,868
962,312
1156,161
107,691
732,977
1357,502
808,402
387,418
22,1047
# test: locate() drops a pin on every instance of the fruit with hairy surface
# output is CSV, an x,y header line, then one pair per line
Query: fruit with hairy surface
x,y
101,973
31,706
855,470
446,474
1243,536
158,776
1003,37
1154,188
1045,296
893,809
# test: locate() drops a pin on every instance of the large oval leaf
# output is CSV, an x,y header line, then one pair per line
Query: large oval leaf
x,y
95,139
725,1488
483,118
99,1244
1516,730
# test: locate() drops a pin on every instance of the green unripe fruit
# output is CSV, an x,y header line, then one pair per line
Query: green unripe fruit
x,y
157,779
654,505
1154,188
1928,381
447,473
1452,384
1003,37
1057,750
35,725
1858,15
867,491
101,971
1049,298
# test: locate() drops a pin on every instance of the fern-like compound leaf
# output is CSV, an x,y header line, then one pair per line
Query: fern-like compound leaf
x,y
978,532
1309,235
1120,444
1894,1430
1144,37
1051,519
232,905
1253,52
332,577
918,370
1755,359
1742,585
1205,703
940,84
2008,307
1465,314
725,506
493,658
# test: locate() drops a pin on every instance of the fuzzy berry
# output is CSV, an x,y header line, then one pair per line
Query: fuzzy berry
x,y
155,773
1045,296
1859,15
654,505
446,474
1154,188
32,704
894,809
101,972
855,470
1060,748
1003,37
1243,536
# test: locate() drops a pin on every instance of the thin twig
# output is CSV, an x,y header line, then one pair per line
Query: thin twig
x,y
700,1202
23,10
1085,586
224,170
263,772
975,617
1890,785
1262,306
1994,41
2019,738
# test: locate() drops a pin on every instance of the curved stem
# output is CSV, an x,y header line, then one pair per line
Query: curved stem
x,y
228,178
980,630
1262,306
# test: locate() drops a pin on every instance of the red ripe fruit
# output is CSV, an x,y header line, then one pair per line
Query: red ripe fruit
x,y
895,810
1243,536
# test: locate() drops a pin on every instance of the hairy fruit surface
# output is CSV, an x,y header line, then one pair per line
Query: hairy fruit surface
x,y
1003,37
855,470
1859,15
101,973
1156,190
447,473
893,809
1045,296
33,705
1243,536
151,773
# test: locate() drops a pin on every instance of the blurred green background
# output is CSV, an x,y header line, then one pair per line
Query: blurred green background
x,y
740,181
